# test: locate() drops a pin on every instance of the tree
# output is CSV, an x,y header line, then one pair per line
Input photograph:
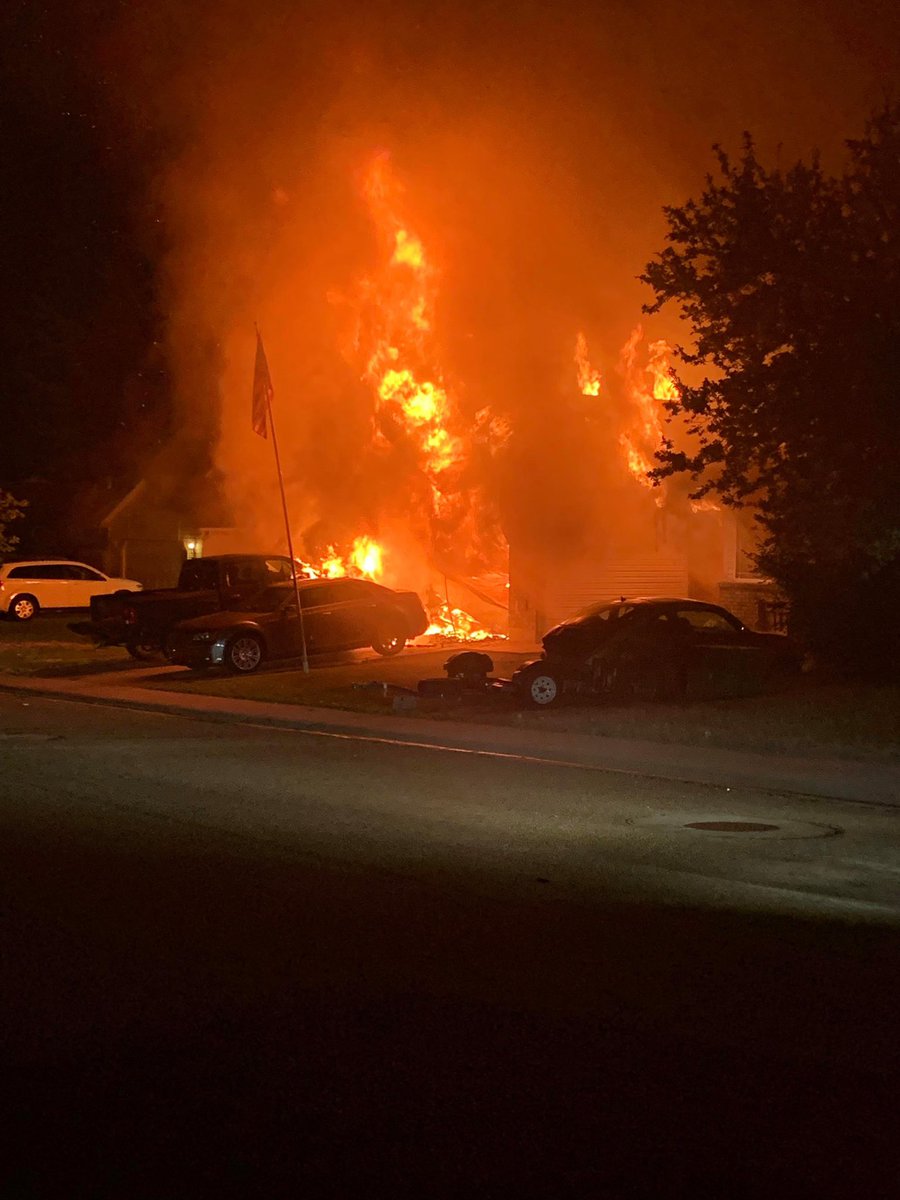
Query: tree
x,y
789,281
10,510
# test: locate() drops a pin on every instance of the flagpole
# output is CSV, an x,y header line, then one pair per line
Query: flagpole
x,y
287,525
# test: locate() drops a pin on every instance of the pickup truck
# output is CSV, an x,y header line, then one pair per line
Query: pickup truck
x,y
142,621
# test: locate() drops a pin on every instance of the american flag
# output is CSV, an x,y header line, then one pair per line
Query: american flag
x,y
262,390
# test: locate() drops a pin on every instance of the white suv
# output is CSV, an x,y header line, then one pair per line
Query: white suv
x,y
27,587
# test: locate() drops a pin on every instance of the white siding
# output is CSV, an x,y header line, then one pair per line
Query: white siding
x,y
651,575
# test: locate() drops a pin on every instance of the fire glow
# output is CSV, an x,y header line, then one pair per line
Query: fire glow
x,y
647,397
411,399
364,561
427,507
414,415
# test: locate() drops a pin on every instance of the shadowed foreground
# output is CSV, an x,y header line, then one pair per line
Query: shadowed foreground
x,y
189,1011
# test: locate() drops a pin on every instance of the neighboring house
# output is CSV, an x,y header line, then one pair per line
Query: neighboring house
x,y
176,511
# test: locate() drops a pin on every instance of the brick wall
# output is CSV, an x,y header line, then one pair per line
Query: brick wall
x,y
757,602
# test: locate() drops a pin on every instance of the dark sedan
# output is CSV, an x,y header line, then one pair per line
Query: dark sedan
x,y
338,614
652,648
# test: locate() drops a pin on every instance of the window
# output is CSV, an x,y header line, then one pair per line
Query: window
x,y
270,599
277,569
353,589
199,575
86,574
319,596
707,620
41,571
240,573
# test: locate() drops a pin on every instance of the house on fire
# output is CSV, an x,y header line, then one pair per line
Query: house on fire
x,y
179,510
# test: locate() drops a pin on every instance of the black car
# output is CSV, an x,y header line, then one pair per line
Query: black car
x,y
652,648
338,614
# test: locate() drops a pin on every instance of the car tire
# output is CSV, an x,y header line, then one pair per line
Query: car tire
x,y
24,608
244,654
542,687
144,646
389,641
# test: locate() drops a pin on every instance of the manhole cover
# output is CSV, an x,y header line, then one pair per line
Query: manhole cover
x,y
731,826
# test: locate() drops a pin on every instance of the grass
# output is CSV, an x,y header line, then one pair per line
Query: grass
x,y
331,683
46,647
808,717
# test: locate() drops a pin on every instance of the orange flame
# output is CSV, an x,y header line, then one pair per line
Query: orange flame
x,y
454,624
407,390
364,561
366,557
588,377
641,442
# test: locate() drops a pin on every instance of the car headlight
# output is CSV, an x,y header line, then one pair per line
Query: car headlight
x,y
206,636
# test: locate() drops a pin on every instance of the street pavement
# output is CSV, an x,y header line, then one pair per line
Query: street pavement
x,y
257,960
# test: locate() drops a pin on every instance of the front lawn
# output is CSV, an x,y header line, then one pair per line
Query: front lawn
x,y
45,646
808,717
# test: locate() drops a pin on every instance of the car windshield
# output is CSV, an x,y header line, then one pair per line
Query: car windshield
x,y
266,600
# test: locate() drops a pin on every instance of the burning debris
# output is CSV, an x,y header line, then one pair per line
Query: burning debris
x,y
364,560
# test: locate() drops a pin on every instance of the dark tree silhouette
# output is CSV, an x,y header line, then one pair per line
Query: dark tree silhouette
x,y
790,394
10,510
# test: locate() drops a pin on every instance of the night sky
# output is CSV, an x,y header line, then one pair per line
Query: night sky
x,y
585,120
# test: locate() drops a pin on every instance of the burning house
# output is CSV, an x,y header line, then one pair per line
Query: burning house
x,y
503,517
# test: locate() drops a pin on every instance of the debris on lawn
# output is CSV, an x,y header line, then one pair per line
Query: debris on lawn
x,y
468,676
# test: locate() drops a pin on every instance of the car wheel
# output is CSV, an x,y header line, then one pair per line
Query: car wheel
x,y
24,608
542,688
144,646
389,641
244,654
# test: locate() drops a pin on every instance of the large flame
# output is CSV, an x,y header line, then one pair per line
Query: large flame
x,y
417,430
647,396
414,415
364,560
409,393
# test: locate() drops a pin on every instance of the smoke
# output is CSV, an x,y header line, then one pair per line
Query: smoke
x,y
537,148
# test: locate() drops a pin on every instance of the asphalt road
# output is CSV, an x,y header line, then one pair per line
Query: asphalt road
x,y
266,962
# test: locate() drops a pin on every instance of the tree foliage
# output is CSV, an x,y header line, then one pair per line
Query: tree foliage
x,y
10,510
789,280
